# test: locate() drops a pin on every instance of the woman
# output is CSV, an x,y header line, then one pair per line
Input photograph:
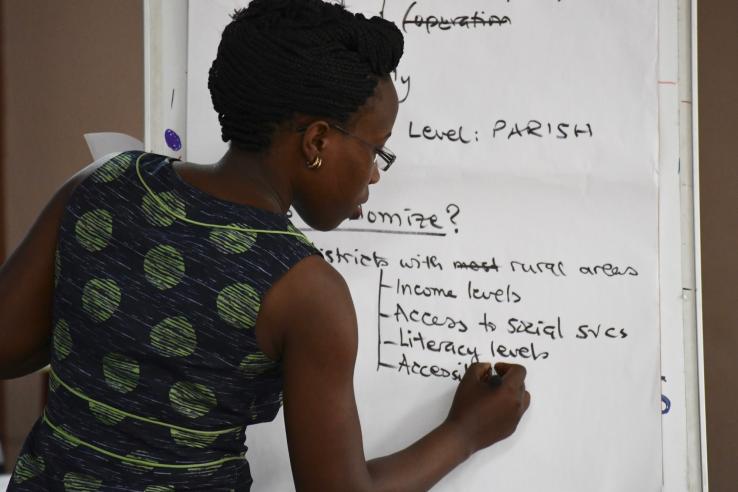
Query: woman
x,y
177,304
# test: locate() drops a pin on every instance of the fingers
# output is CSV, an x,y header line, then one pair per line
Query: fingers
x,y
512,373
479,371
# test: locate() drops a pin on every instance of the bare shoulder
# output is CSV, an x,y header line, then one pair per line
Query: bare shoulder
x,y
310,304
312,279
316,318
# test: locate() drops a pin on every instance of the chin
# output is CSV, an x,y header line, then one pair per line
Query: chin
x,y
324,227
319,223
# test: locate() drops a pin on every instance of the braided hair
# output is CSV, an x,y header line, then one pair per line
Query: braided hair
x,y
278,58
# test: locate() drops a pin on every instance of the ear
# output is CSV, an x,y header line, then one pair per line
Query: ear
x,y
315,139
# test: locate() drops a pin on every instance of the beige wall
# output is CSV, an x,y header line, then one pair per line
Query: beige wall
x,y
69,67
718,133
75,66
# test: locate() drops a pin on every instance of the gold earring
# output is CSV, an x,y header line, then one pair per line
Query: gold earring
x,y
316,163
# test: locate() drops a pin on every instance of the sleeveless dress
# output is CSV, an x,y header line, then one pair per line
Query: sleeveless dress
x,y
155,369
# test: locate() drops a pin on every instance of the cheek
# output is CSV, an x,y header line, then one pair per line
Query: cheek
x,y
352,174
357,185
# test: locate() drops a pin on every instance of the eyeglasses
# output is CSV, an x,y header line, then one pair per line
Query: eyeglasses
x,y
382,152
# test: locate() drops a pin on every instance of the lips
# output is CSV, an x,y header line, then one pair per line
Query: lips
x,y
358,213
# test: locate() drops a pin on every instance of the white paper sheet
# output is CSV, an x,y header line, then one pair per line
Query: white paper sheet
x,y
4,481
556,188
104,143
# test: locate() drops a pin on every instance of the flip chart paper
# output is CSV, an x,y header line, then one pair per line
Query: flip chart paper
x,y
519,224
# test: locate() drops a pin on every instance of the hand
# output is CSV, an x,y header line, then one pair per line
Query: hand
x,y
488,409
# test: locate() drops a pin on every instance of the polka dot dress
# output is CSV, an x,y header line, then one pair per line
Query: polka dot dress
x,y
155,368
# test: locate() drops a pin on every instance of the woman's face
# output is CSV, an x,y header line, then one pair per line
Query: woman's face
x,y
334,192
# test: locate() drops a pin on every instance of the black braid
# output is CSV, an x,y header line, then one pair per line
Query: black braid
x,y
282,57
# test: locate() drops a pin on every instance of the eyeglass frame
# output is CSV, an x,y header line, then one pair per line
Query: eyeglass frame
x,y
382,151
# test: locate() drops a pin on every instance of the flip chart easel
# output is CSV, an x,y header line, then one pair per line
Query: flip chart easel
x,y
496,248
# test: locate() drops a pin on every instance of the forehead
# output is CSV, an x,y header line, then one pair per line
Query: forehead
x,y
377,115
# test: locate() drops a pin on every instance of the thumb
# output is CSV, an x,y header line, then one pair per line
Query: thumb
x,y
479,371
502,368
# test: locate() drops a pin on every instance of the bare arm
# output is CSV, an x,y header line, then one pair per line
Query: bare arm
x,y
27,289
310,311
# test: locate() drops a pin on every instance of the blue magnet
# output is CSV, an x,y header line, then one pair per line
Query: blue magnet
x,y
172,139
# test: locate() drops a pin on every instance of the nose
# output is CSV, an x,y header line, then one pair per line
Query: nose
x,y
375,173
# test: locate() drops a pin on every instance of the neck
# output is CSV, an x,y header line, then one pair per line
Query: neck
x,y
243,177
258,175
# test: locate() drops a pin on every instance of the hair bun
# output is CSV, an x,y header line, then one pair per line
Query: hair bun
x,y
288,13
378,43
279,58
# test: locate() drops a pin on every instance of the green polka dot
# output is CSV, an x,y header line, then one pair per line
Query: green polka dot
x,y
62,339
121,373
238,305
301,237
203,471
192,400
94,229
65,441
191,440
27,467
254,365
111,170
159,488
174,337
229,241
139,467
100,299
164,266
162,217
77,482
107,416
